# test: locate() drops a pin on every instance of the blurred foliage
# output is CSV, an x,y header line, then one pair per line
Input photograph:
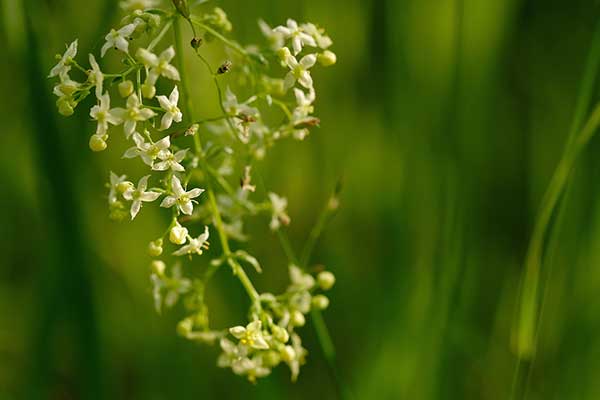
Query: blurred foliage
x,y
446,119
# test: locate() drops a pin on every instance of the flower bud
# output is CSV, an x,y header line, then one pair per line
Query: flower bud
x,y
184,327
65,106
326,280
288,354
97,143
327,58
125,88
271,358
283,53
178,234
155,248
280,334
298,318
182,7
192,130
320,302
158,267
148,91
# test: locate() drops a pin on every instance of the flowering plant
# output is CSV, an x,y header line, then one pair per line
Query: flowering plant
x,y
194,183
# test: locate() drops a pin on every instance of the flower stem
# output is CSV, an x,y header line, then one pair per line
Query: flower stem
x,y
218,221
222,38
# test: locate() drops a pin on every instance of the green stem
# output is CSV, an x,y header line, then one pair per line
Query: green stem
x,y
160,35
222,38
236,267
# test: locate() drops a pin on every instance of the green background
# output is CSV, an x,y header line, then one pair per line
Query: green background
x,y
445,118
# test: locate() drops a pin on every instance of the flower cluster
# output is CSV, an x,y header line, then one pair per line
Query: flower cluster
x,y
189,164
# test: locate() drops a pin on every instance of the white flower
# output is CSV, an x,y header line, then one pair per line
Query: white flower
x,y
231,353
299,356
132,114
300,280
115,180
180,197
304,102
96,76
253,368
132,5
104,115
158,65
279,216
323,41
298,36
148,152
195,246
118,39
178,234
137,196
66,87
233,107
62,68
251,335
276,39
168,288
299,71
172,112
170,161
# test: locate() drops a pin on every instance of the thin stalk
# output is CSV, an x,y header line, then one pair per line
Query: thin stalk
x,y
160,35
236,267
222,38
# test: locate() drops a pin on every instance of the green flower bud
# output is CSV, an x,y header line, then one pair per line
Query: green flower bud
x,y
288,354
271,358
280,334
298,318
178,234
65,106
97,143
125,88
158,267
155,248
148,91
320,302
327,58
326,280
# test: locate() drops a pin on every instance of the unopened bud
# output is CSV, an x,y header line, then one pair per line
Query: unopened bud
x,y
155,248
178,234
327,58
192,130
65,106
124,186
158,267
148,91
280,334
320,302
125,88
182,7
326,280
298,318
97,143
288,354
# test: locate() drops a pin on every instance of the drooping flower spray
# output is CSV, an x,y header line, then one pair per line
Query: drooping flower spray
x,y
192,164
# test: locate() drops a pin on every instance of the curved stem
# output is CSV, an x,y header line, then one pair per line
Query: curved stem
x,y
218,221
222,38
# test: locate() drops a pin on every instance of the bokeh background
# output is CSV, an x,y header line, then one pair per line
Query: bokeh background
x,y
445,118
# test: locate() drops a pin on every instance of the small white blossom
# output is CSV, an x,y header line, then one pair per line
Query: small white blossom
x,y
96,76
323,41
133,114
148,152
170,161
251,335
304,101
178,234
297,35
232,353
172,112
168,289
276,39
115,180
299,71
62,68
66,87
279,216
300,280
195,245
139,195
180,197
158,65
118,39
104,115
